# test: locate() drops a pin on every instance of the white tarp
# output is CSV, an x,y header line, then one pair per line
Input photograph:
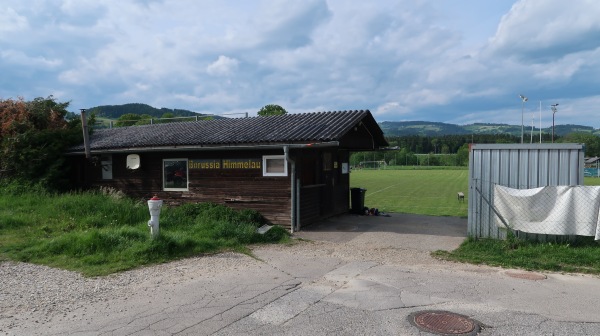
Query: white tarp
x,y
557,210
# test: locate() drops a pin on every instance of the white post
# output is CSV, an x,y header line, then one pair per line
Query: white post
x,y
154,205
532,121
540,121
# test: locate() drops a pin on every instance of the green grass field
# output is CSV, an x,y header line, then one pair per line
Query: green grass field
x,y
425,192
418,191
591,181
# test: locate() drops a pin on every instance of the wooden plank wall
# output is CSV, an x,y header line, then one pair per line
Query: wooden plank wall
x,y
237,188
322,193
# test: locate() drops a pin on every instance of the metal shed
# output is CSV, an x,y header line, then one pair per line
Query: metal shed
x,y
519,166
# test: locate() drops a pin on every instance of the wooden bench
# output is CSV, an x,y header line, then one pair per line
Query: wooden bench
x,y
461,196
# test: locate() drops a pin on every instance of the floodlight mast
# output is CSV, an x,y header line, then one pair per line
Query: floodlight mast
x,y
523,100
554,110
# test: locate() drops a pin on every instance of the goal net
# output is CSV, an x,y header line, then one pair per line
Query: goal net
x,y
372,165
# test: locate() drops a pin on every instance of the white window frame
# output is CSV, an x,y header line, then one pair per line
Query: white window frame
x,y
187,177
275,157
106,163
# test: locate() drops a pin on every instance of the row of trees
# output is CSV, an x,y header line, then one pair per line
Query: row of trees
x,y
115,111
453,150
34,136
591,141
130,119
404,157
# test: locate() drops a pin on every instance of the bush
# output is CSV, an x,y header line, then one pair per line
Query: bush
x,y
34,136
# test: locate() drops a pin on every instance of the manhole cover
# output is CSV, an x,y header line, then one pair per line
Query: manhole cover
x,y
526,275
444,323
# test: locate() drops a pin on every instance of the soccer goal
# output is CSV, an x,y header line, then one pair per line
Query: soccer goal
x,y
372,165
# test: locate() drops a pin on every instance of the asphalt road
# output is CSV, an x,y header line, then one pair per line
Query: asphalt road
x,y
351,275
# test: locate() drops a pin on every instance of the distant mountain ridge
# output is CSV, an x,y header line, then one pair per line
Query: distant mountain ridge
x,y
429,128
390,128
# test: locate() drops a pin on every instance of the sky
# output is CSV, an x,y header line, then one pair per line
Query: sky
x,y
454,61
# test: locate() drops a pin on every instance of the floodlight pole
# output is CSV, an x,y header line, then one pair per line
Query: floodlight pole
x,y
540,121
523,100
554,109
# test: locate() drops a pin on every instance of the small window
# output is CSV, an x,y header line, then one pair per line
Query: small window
x,y
175,174
274,165
107,167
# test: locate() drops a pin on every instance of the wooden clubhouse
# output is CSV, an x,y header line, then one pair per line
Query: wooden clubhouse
x,y
293,169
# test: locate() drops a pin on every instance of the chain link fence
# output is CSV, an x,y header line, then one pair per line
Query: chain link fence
x,y
549,210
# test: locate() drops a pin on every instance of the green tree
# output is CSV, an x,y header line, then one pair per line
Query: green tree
x,y
271,110
435,143
462,156
145,119
445,149
591,141
33,138
168,115
128,119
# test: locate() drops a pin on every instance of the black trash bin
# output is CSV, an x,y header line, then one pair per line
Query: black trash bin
x,y
357,197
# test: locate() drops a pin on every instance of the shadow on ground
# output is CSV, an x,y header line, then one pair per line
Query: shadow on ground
x,y
422,231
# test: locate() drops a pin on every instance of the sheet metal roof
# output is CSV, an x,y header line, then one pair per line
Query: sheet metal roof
x,y
288,128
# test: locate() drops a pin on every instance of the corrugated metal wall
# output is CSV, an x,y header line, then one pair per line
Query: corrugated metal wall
x,y
519,166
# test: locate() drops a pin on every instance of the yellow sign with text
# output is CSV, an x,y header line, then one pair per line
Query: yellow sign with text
x,y
205,164
225,164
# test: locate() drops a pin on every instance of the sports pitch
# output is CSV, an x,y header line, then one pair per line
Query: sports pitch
x,y
425,192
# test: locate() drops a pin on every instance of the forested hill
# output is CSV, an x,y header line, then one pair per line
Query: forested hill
x,y
427,128
390,128
115,111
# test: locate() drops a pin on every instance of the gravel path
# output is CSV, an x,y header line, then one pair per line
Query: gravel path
x,y
221,292
35,293
41,292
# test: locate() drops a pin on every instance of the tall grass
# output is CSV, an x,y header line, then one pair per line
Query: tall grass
x,y
95,233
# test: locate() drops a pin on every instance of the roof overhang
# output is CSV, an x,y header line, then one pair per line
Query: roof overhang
x,y
199,148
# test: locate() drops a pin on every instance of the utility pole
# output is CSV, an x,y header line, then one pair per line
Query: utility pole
x,y
523,100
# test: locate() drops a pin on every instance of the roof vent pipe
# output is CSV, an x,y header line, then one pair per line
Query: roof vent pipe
x,y
86,134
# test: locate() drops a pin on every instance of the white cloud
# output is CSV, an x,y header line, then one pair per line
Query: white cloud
x,y
12,21
19,58
223,66
389,108
548,29
428,59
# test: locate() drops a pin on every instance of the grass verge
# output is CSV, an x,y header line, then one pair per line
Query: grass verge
x,y
582,256
98,234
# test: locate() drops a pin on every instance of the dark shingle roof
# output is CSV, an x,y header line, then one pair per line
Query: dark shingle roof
x,y
591,160
289,128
